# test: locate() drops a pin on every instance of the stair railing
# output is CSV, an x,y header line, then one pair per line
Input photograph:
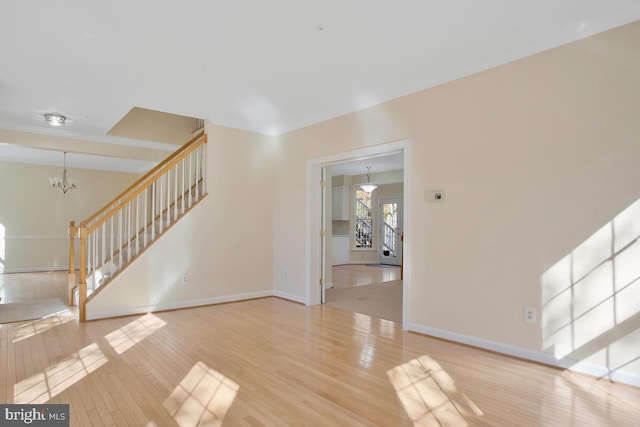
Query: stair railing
x,y
362,209
364,232
113,236
389,238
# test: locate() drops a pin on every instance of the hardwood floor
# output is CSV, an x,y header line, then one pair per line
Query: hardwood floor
x,y
372,290
26,287
272,362
350,275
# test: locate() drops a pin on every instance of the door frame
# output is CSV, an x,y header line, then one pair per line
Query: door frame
x,y
314,252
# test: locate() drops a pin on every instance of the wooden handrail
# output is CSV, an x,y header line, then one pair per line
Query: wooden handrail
x,y
150,178
88,228
147,175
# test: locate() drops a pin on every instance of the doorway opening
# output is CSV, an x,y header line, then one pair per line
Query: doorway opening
x,y
332,226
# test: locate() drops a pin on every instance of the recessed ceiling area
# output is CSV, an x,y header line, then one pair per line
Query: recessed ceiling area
x,y
21,154
143,128
159,126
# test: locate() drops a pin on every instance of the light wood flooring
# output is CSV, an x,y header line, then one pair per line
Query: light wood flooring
x,y
372,290
350,275
271,362
26,287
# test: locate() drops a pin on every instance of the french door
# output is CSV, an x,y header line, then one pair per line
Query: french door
x,y
391,214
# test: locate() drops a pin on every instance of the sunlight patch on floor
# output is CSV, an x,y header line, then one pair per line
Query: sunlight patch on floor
x,y
429,395
40,388
202,397
129,335
35,327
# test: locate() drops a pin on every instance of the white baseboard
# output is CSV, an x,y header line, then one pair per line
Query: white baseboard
x,y
35,269
599,371
45,237
291,297
532,355
173,305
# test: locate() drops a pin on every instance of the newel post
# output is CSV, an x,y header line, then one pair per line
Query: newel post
x,y
82,284
71,282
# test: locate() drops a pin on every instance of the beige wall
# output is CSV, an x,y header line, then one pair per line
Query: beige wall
x,y
151,125
534,156
225,245
34,217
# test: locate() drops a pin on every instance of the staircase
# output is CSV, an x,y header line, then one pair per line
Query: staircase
x,y
364,230
115,235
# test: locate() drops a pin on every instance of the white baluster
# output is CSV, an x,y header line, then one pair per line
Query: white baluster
x,y
204,168
120,233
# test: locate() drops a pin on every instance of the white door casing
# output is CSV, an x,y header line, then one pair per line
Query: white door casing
x,y
313,255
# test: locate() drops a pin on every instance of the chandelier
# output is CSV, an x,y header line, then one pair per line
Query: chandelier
x,y
368,187
63,183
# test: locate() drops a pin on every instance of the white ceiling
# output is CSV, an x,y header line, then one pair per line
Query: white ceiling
x,y
264,66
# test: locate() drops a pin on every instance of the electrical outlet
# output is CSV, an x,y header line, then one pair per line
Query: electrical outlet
x,y
185,279
530,315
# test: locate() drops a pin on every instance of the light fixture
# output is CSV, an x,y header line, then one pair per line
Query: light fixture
x,y
55,119
64,183
368,187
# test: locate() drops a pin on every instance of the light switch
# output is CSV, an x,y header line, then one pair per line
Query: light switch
x,y
434,195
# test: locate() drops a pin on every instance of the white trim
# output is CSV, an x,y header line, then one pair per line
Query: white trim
x,y
35,237
313,167
174,305
532,355
602,372
290,297
485,344
35,269
408,231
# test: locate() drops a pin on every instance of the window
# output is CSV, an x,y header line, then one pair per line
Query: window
x,y
364,222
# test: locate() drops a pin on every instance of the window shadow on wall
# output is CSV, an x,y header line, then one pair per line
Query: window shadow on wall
x,y
591,300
